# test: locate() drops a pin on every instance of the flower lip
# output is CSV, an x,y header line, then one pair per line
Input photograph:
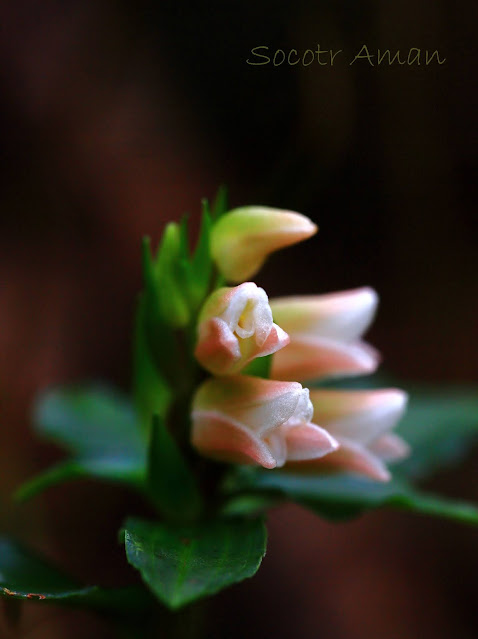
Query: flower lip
x,y
304,410
235,326
248,312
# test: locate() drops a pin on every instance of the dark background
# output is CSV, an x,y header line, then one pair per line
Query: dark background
x,y
116,117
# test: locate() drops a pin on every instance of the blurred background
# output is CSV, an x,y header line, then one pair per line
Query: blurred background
x,y
117,117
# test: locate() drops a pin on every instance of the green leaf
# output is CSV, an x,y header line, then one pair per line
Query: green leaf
x,y
170,248
171,483
183,563
441,424
221,204
342,496
171,271
25,576
174,308
152,393
99,427
250,505
201,264
165,305
158,340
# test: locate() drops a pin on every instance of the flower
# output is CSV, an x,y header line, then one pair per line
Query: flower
x,y
249,420
361,421
243,238
325,335
235,326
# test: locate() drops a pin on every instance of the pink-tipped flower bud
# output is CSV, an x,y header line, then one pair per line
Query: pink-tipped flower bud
x,y
235,326
243,238
249,420
325,335
361,421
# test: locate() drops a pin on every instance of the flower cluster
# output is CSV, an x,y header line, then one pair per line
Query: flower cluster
x,y
276,422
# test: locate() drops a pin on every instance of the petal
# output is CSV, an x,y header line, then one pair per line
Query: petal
x,y
390,448
217,349
350,458
307,441
309,358
276,443
258,404
342,316
243,238
304,410
216,304
276,340
248,312
217,437
360,416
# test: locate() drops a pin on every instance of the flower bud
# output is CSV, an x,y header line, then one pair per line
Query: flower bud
x,y
234,327
249,420
325,332
243,238
361,421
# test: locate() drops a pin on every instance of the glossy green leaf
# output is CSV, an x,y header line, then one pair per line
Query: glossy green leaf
x,y
343,496
171,483
25,576
99,428
183,563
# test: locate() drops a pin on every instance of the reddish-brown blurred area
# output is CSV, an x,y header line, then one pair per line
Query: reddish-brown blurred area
x,y
116,117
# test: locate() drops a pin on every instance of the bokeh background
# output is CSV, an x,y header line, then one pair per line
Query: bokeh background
x,y
117,117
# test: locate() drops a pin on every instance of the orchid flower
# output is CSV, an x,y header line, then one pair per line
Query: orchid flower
x,y
249,420
234,327
325,335
362,423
